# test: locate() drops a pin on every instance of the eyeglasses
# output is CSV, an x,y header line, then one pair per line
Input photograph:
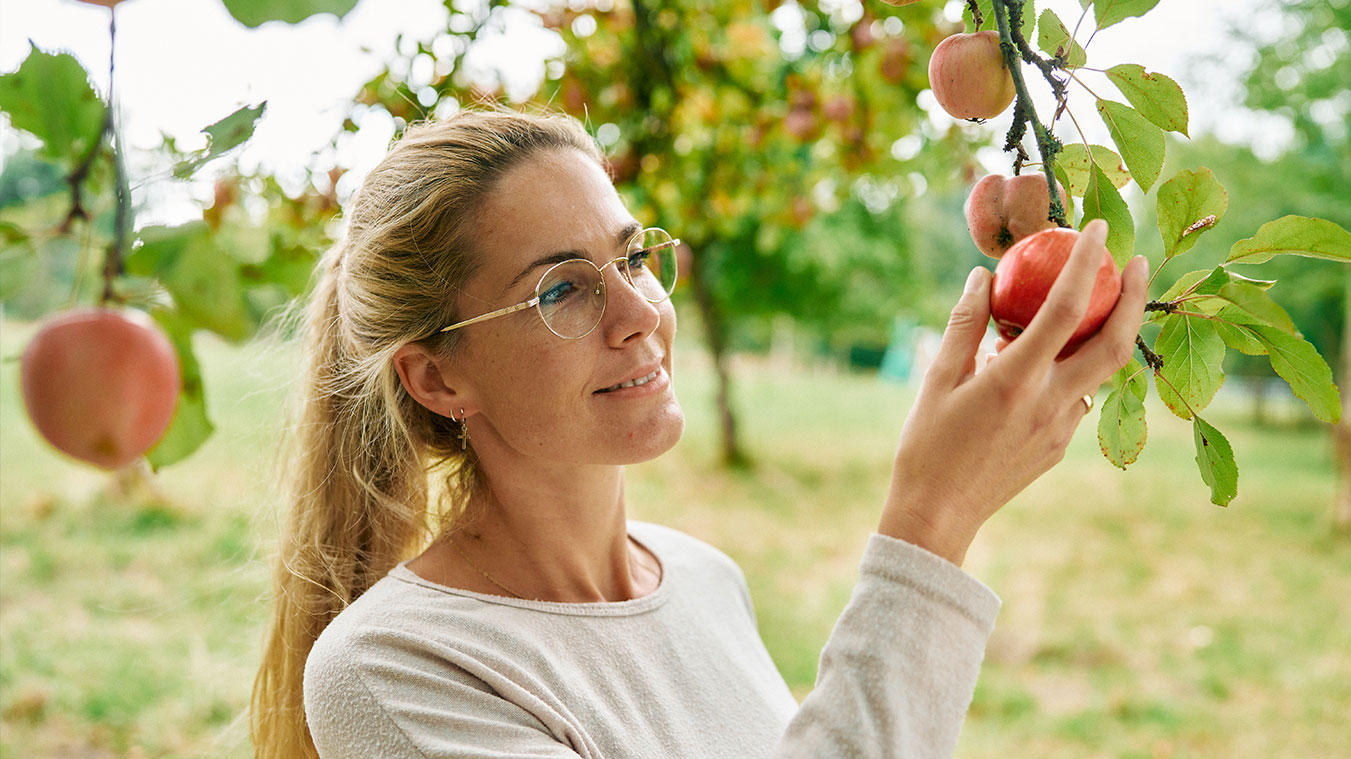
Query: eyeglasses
x,y
570,297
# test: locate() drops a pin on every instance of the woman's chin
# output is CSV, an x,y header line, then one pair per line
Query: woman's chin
x,y
659,436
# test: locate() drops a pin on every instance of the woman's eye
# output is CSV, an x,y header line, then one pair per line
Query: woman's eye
x,y
557,293
638,259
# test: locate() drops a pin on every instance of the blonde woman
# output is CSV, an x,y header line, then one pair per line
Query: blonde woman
x,y
485,350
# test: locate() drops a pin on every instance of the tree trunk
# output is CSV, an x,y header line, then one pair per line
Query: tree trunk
x,y
1258,386
1342,432
715,334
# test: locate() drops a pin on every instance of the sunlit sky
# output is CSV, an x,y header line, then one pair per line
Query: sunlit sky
x,y
182,64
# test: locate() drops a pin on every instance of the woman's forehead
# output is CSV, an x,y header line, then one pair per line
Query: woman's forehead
x,y
553,201
555,192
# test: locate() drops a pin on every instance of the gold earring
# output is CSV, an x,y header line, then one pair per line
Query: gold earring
x,y
464,430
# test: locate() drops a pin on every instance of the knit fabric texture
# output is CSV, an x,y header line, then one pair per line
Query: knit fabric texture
x,y
413,669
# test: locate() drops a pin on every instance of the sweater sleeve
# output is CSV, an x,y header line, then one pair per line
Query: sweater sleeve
x,y
898,672
364,701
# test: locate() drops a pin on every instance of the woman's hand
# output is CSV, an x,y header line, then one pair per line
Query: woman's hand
x,y
973,441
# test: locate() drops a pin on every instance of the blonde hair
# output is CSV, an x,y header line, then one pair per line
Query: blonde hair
x,y
359,452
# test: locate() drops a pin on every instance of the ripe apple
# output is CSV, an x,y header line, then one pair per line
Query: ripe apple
x,y
1024,276
968,76
1000,211
100,384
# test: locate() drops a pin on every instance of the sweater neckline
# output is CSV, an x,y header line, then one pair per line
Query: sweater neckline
x,y
582,608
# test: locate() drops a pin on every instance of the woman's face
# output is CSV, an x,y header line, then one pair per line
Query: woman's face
x,y
536,394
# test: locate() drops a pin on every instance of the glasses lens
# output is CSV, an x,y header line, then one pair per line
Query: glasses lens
x,y
652,264
571,298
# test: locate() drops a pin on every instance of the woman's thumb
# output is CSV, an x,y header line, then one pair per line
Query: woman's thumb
x,y
966,328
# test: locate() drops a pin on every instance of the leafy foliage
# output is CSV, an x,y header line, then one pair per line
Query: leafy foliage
x,y
223,274
1206,312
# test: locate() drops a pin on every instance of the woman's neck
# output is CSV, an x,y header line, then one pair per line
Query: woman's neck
x,y
557,538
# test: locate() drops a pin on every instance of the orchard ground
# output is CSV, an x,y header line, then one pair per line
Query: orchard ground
x,y
1138,619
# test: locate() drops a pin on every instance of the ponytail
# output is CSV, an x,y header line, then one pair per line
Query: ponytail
x,y
358,456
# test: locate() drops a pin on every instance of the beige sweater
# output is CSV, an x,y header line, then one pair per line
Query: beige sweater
x,y
415,669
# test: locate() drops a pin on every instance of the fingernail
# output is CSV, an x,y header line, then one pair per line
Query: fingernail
x,y
973,280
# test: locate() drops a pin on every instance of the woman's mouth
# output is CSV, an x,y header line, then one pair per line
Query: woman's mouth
x,y
633,382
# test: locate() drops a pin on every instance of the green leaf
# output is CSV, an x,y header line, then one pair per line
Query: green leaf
x,y
1295,236
253,13
1140,142
987,21
1121,426
1029,20
288,266
190,426
204,282
1297,362
1155,96
1188,204
1237,337
20,263
1255,303
1215,459
1073,159
1193,354
224,135
1185,282
1108,12
1053,38
50,97
1102,201
1209,282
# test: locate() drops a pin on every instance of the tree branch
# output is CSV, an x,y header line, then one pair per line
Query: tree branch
x,y
1023,111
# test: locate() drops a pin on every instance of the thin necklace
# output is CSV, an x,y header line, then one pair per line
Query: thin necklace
x,y
489,577
456,545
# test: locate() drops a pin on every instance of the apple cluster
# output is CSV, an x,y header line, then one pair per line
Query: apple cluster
x,y
1009,218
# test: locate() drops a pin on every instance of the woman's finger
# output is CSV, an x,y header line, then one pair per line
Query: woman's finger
x,y
1109,350
956,356
1064,307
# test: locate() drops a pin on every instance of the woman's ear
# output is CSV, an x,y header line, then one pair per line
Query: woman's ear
x,y
428,380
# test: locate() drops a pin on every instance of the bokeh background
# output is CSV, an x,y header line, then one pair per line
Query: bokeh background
x,y
799,151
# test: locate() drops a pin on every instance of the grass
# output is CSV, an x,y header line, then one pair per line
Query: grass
x,y
1138,619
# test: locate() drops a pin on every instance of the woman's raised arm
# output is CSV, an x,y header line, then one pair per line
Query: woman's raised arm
x,y
973,441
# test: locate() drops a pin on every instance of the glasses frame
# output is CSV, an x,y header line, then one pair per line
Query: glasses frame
x,y
600,271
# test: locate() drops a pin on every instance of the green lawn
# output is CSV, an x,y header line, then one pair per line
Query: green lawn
x,y
1138,619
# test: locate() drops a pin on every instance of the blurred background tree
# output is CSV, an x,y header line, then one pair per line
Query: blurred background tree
x,y
1298,74
780,142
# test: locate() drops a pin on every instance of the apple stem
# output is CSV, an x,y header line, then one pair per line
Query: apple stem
x,y
112,265
1023,111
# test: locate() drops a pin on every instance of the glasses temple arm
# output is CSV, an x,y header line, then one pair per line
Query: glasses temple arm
x,y
493,314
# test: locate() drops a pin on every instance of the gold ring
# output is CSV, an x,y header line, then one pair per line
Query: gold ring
x,y
1088,403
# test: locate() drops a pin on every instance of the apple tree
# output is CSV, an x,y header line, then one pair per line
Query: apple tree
x,y
1204,313
142,291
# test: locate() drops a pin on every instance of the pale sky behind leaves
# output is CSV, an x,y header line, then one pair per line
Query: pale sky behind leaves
x,y
182,64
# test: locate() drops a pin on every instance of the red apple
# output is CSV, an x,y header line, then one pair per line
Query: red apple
x,y
1000,211
100,384
968,76
1024,276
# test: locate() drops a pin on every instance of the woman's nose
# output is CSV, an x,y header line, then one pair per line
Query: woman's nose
x,y
627,313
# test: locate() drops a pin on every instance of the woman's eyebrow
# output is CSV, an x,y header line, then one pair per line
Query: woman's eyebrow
x,y
564,255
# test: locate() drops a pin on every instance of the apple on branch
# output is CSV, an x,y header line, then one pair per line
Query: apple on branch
x,y
101,384
968,76
1023,279
1001,211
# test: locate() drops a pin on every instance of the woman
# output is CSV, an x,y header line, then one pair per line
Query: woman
x,y
512,609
